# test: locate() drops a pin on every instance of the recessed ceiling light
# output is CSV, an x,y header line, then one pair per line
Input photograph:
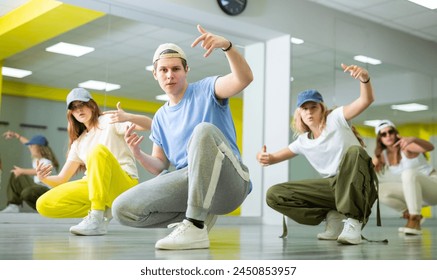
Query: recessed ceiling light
x,y
149,68
162,97
98,85
15,73
70,49
366,59
425,3
411,107
296,41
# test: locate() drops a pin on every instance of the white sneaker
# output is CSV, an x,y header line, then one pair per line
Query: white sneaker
x,y
334,225
351,233
11,208
93,224
184,237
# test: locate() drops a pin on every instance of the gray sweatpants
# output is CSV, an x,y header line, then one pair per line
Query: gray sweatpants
x,y
214,181
351,192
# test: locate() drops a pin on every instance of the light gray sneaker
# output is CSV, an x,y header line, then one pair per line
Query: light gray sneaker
x,y
185,236
351,233
334,225
11,208
93,224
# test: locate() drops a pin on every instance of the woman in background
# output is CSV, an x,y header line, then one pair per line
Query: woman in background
x,y
404,156
23,184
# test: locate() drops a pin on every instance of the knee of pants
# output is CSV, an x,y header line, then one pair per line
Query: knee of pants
x,y
409,174
26,194
122,213
272,195
203,134
203,128
42,205
98,151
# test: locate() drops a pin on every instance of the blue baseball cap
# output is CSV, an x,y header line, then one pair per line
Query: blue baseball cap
x,y
78,94
38,140
308,95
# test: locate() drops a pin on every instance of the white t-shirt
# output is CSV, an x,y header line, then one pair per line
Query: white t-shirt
x,y
111,136
326,152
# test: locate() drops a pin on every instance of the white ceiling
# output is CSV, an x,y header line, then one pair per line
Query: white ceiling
x,y
398,14
124,47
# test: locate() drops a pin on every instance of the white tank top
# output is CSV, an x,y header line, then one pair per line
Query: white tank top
x,y
418,163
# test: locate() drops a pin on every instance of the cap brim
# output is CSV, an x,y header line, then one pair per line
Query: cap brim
x,y
309,100
77,99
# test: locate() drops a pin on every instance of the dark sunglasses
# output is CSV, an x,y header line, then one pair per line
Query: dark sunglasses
x,y
390,132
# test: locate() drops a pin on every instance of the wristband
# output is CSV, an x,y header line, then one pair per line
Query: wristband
x,y
228,48
368,80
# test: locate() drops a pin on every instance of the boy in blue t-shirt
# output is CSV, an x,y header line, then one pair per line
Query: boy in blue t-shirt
x,y
195,133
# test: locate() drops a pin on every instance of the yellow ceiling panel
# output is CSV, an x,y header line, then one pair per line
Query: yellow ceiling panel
x,y
38,21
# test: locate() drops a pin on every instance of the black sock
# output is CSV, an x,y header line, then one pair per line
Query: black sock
x,y
196,223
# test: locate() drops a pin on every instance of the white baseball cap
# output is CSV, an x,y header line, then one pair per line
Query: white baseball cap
x,y
383,124
168,50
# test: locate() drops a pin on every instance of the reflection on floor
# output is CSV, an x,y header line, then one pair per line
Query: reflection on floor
x,y
28,236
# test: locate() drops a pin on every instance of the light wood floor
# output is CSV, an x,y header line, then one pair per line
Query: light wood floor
x,y
28,236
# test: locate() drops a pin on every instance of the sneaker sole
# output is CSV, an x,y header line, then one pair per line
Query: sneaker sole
x,y
192,246
87,233
327,238
412,231
93,233
348,241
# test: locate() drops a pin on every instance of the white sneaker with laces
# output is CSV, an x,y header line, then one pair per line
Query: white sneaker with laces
x,y
93,224
185,236
11,208
351,233
334,225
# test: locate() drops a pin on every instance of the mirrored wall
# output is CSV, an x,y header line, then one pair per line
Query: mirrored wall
x,y
124,47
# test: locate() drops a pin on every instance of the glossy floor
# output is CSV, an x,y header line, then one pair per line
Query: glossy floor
x,y
28,236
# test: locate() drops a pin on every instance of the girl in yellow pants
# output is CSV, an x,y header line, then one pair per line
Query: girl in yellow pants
x,y
105,180
97,146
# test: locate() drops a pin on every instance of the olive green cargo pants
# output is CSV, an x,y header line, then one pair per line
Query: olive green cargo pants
x,y
351,192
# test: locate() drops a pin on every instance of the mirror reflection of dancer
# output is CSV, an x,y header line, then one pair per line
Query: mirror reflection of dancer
x,y
23,184
404,157
347,190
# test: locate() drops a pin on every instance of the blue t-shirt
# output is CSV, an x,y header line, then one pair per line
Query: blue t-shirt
x,y
172,126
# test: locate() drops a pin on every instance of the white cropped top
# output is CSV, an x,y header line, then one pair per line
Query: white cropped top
x,y
418,163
